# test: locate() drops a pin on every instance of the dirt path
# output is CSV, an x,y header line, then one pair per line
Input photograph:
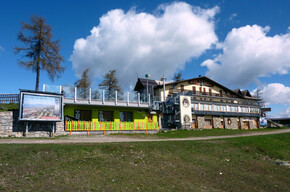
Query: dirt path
x,y
116,139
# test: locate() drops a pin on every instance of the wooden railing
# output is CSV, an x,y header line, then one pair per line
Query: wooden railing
x,y
87,126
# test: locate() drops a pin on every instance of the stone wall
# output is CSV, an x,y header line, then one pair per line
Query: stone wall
x,y
217,122
11,127
200,122
233,123
252,124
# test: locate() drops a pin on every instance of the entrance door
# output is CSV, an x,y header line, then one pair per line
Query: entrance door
x,y
194,124
222,125
246,124
239,123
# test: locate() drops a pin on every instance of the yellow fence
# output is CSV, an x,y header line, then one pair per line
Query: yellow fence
x,y
73,126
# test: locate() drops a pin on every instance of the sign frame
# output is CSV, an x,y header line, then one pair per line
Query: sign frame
x,y
40,94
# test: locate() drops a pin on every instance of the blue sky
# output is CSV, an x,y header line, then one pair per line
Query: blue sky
x,y
73,20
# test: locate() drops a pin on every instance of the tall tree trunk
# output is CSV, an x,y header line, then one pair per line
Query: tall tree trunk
x,y
37,77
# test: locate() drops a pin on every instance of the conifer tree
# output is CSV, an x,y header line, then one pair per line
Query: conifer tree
x,y
83,84
110,84
41,51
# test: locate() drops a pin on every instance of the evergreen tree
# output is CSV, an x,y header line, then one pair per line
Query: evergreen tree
x,y
110,84
177,77
41,51
84,84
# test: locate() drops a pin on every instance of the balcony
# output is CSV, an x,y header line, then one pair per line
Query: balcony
x,y
73,95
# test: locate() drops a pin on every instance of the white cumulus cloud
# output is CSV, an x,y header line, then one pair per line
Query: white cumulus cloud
x,y
139,43
248,53
284,113
275,93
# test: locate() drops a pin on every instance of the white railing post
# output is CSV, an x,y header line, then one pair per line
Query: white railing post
x,y
43,87
128,98
116,97
149,98
90,95
138,99
75,94
60,88
103,99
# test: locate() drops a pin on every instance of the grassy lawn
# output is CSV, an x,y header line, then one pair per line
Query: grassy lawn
x,y
237,164
198,133
9,106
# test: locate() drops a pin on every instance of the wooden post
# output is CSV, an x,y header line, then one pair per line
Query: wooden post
x,y
119,127
105,128
78,125
147,128
95,128
133,127
65,127
114,125
138,126
110,125
71,127
89,127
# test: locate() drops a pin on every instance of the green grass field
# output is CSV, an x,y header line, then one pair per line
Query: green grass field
x,y
198,133
237,164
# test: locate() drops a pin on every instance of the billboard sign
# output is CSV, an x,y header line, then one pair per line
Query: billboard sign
x,y
35,106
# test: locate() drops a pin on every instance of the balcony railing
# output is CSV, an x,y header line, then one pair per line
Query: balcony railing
x,y
98,96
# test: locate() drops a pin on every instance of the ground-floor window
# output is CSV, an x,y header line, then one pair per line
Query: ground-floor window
x,y
208,122
126,116
106,116
83,115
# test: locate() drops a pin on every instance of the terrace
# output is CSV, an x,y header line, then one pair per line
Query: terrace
x,y
73,95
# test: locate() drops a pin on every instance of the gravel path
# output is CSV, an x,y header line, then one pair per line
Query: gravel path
x,y
117,139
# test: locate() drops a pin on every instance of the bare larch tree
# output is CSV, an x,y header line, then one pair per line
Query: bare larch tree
x,y
41,51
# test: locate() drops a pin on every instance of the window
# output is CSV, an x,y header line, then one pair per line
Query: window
x,y
234,109
106,116
126,116
201,107
214,107
221,93
207,122
83,115
206,107
210,94
193,90
182,88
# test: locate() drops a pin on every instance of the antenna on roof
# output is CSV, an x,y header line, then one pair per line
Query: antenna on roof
x,y
199,76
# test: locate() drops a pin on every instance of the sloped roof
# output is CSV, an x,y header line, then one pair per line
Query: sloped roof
x,y
142,83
